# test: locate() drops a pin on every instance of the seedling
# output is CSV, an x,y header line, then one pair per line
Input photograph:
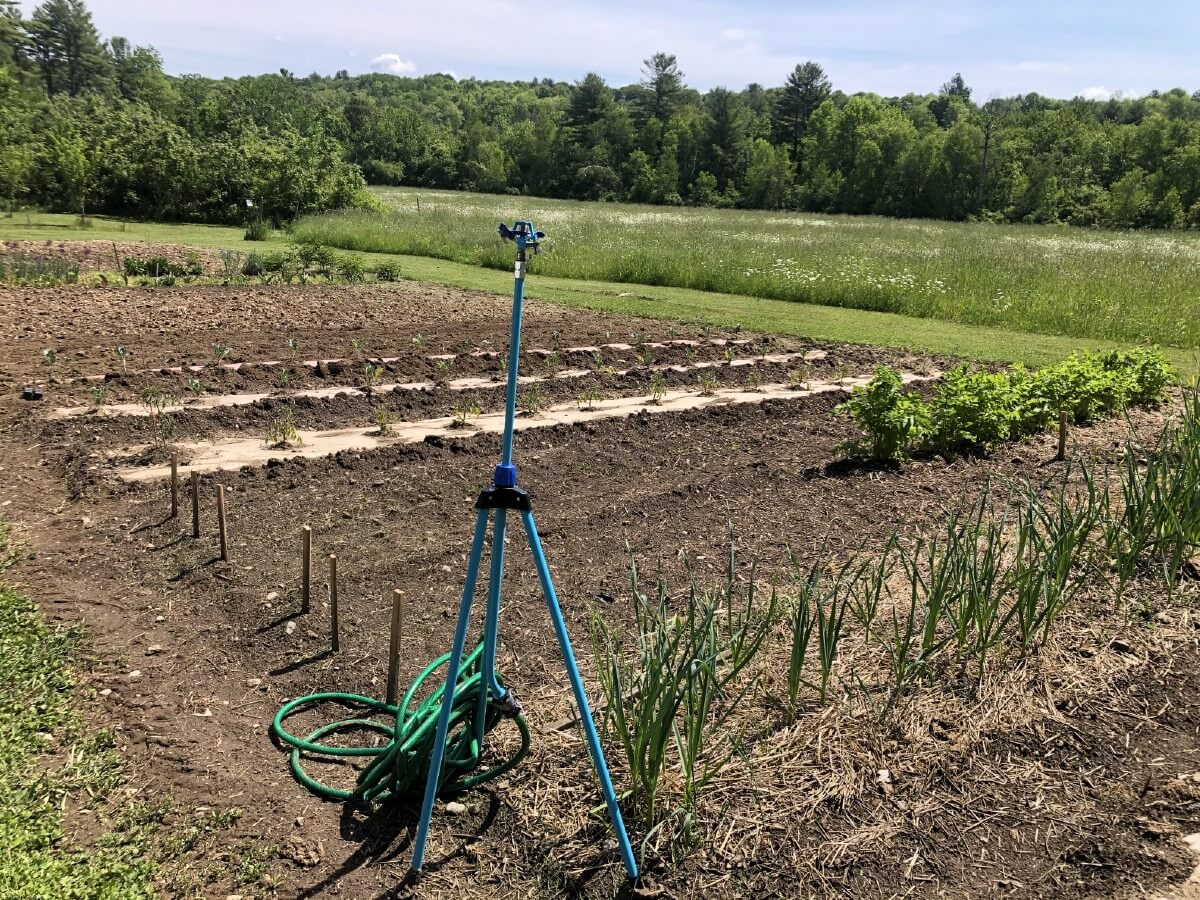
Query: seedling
x,y
798,378
49,357
99,395
282,433
220,351
708,384
196,387
371,376
156,401
645,358
383,418
753,380
589,398
531,401
420,341
293,348
356,346
553,362
466,408
444,366
658,388
597,361
730,354
122,356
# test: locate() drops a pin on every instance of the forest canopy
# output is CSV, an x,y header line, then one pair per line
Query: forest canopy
x,y
92,124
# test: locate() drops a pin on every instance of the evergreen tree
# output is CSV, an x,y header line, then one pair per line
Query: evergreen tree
x,y
67,50
806,89
664,85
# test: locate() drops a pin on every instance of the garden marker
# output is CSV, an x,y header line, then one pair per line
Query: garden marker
x,y
473,699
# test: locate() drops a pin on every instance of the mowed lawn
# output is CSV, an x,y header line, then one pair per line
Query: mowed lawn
x,y
1127,286
805,320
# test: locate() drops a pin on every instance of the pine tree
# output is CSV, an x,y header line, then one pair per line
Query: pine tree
x,y
67,49
805,90
664,84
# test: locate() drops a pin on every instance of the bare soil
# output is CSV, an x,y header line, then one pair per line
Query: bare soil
x,y
1072,775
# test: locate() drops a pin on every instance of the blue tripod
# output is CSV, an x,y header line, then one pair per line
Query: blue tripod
x,y
501,496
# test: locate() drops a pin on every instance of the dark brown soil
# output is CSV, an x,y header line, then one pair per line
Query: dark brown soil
x,y
1086,799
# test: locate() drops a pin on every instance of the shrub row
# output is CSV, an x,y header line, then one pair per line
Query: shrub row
x,y
974,411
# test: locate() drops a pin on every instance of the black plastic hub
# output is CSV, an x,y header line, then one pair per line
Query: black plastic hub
x,y
504,498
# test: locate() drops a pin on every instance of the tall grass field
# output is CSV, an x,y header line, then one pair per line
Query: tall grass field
x,y
1125,286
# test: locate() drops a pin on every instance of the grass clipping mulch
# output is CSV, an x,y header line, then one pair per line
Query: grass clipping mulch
x,y
918,764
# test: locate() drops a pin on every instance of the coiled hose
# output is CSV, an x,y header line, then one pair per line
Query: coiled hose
x,y
403,762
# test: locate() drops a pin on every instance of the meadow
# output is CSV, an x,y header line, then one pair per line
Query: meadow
x,y
1123,286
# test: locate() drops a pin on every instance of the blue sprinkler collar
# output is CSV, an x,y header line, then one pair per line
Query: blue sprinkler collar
x,y
506,476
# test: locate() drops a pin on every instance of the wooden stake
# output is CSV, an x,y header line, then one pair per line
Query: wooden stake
x,y
174,485
221,521
305,566
1062,436
394,649
195,479
334,642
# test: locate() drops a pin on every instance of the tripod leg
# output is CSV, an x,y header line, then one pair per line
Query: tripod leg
x,y
443,726
488,686
585,713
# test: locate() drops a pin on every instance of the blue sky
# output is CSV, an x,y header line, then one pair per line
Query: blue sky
x,y
1061,48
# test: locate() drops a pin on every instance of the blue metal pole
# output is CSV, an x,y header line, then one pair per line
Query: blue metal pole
x,y
460,640
585,713
488,685
514,353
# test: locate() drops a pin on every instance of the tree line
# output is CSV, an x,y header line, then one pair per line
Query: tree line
x,y
87,123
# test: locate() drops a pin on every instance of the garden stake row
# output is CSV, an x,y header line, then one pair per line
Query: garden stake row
x,y
443,757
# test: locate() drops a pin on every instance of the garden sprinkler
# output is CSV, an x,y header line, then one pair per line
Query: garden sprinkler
x,y
501,496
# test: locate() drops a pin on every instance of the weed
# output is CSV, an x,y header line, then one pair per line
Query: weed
x,y
387,272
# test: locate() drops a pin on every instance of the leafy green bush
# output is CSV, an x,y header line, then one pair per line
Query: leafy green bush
x,y
894,421
1146,370
258,231
254,266
973,411
387,272
1082,387
351,269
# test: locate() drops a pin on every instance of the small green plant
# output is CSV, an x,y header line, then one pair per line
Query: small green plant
x,y
255,265
420,341
383,419
753,379
293,349
893,421
122,356
156,402
658,388
798,378
49,358
371,375
231,263
466,409
257,230
588,398
708,383
972,411
220,351
195,387
553,362
356,347
283,379
282,432
99,395
531,401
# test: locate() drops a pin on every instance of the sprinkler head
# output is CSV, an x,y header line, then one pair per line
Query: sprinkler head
x,y
31,392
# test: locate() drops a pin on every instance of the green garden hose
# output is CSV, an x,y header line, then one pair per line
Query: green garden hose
x,y
403,762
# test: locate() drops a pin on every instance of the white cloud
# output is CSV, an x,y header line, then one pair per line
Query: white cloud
x,y
391,62
1099,92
